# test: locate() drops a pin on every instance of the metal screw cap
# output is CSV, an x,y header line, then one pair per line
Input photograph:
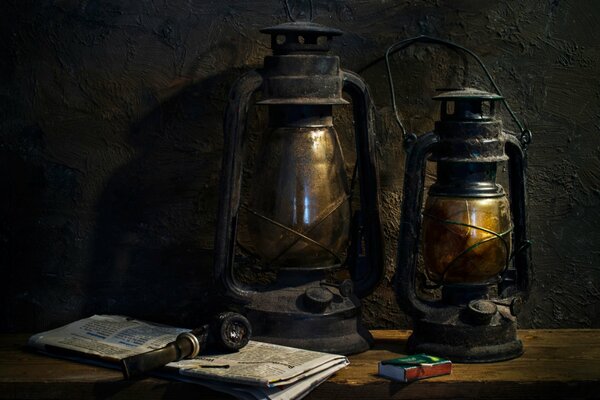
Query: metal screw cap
x,y
481,311
316,299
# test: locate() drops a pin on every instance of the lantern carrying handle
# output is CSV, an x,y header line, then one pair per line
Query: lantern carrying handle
x,y
366,264
230,184
410,138
410,228
521,284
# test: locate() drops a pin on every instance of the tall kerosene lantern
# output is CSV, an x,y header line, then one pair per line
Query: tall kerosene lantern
x,y
470,233
299,213
467,229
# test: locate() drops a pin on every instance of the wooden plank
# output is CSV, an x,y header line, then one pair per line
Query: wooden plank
x,y
25,374
556,364
431,390
550,355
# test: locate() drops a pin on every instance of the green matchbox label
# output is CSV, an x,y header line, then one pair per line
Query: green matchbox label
x,y
414,360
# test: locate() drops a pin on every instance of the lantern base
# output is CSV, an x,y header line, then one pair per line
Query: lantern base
x,y
284,316
453,336
334,333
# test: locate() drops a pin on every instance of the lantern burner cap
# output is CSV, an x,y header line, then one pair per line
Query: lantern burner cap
x,y
467,94
299,27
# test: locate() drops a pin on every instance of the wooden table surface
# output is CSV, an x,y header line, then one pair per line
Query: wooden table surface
x,y
557,364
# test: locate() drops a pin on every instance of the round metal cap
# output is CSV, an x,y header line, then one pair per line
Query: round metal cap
x,y
467,94
300,27
316,299
481,311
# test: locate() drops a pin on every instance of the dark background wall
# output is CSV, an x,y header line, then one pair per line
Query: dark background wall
x,y
111,139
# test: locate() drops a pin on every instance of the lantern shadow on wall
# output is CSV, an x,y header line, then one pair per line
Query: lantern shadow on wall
x,y
156,212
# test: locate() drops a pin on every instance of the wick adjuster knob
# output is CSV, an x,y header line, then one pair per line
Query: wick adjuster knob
x,y
345,287
516,305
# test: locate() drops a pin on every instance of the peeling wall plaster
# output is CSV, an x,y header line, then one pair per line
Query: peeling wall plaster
x,y
110,142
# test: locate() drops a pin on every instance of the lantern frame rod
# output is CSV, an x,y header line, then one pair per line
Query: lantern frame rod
x,y
302,235
410,138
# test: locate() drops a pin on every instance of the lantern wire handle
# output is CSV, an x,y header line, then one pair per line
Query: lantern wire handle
x,y
410,138
288,11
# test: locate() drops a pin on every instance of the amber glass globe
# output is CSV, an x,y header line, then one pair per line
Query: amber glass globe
x,y
299,211
466,239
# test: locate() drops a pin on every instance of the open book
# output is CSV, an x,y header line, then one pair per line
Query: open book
x,y
257,371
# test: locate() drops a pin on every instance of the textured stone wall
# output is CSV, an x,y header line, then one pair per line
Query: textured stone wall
x,y
111,140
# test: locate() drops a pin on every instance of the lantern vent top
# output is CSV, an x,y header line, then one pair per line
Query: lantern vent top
x,y
300,36
467,104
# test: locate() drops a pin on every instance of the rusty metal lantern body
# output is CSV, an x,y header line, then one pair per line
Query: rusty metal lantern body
x,y
299,216
471,234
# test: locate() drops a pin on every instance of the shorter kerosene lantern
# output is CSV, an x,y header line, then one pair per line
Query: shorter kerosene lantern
x,y
470,233
299,216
